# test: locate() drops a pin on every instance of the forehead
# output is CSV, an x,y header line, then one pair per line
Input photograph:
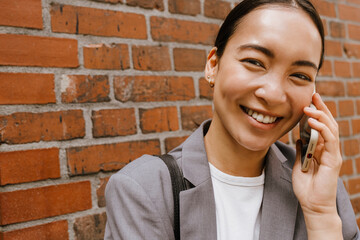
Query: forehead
x,y
280,27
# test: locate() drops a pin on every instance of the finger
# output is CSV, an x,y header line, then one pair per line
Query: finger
x,y
320,105
321,116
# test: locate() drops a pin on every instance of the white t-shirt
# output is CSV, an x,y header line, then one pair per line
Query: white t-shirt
x,y
238,202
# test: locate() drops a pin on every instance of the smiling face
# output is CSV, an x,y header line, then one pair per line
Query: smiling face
x,y
265,77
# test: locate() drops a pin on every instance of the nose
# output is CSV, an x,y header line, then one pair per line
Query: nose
x,y
271,92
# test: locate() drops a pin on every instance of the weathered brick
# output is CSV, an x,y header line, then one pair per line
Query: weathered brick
x,y
25,127
100,192
148,4
172,142
29,166
330,88
355,123
346,108
91,227
37,203
101,56
113,122
337,29
354,31
352,50
326,69
332,107
109,157
333,48
99,22
186,59
349,12
346,168
325,8
159,119
205,90
174,30
153,88
27,88
154,58
21,13
342,69
353,88
216,8
55,231
82,89
22,50
188,7
193,116
351,147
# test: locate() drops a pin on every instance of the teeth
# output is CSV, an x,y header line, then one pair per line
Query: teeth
x,y
260,117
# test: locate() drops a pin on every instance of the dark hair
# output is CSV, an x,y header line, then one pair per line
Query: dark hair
x,y
232,20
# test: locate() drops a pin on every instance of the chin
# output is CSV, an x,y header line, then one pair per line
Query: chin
x,y
256,145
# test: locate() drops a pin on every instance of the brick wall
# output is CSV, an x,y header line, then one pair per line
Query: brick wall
x,y
87,86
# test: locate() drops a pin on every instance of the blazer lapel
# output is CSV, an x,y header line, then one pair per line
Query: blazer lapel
x,y
197,205
280,205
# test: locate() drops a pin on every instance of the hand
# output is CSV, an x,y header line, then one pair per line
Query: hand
x,y
316,189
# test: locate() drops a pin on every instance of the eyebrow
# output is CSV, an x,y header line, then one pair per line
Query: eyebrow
x,y
270,54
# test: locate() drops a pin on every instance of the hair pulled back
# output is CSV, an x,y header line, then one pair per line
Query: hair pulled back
x,y
232,20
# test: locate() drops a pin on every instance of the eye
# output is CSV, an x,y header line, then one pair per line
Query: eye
x,y
253,62
302,76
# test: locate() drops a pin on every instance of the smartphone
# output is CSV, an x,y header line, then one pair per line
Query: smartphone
x,y
309,138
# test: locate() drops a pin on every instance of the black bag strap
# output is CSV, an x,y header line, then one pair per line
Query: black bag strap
x,y
178,184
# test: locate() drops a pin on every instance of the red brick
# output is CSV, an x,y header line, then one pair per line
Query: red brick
x,y
100,192
330,88
186,59
347,168
295,133
354,31
332,107
205,90
333,48
109,157
325,8
353,88
354,186
174,30
172,142
356,69
37,203
351,147
29,166
352,50
189,7
344,128
109,1
21,13
113,122
22,50
358,107
90,227
148,4
326,31
346,108
101,56
27,88
193,116
355,123
153,88
83,89
216,8
99,22
337,29
342,69
159,119
326,69
25,127
349,12
54,231
155,58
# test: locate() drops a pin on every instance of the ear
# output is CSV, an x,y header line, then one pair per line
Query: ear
x,y
212,63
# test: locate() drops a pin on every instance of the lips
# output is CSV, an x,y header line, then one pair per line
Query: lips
x,y
262,118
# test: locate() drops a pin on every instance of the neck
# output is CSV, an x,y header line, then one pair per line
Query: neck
x,y
229,156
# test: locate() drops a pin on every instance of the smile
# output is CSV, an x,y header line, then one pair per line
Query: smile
x,y
259,116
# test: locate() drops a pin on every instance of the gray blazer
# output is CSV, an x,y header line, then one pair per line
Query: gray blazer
x,y
139,202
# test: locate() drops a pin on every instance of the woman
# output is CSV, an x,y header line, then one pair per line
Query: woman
x,y
245,185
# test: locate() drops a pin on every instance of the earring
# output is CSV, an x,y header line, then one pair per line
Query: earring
x,y
211,81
